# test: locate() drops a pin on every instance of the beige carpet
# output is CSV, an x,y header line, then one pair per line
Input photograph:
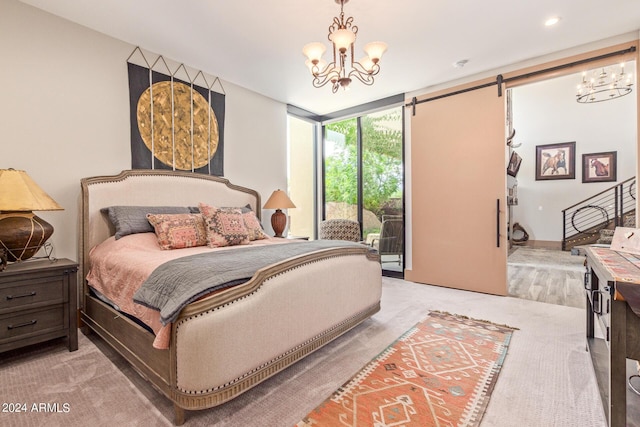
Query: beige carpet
x,y
547,378
81,388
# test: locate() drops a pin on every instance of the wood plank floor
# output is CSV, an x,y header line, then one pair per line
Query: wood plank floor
x,y
546,275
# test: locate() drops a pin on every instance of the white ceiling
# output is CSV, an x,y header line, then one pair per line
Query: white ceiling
x,y
258,44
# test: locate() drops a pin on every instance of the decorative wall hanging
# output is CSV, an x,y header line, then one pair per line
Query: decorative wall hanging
x,y
556,161
514,164
599,167
176,124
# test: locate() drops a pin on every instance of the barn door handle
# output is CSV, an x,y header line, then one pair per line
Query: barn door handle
x,y
497,223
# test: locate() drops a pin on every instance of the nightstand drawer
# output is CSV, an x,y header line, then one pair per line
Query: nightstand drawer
x,y
38,302
32,293
32,322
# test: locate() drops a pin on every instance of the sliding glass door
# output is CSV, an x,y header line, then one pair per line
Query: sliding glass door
x,y
363,180
382,190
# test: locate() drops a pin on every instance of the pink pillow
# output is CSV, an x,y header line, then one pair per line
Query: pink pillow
x,y
224,226
178,231
254,228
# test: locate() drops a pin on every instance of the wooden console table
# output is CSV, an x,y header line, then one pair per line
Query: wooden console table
x,y
612,284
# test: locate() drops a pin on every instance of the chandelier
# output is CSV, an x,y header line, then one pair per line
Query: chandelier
x,y
342,35
603,86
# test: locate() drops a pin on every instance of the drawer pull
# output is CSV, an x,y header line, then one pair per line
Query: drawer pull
x,y
21,325
596,300
30,294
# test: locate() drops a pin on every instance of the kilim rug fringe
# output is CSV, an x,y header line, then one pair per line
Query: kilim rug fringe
x,y
441,372
461,316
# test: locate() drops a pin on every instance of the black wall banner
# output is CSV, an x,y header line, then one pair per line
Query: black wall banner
x,y
175,125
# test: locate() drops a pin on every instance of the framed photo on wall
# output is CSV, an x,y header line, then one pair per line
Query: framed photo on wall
x,y
599,167
514,164
556,161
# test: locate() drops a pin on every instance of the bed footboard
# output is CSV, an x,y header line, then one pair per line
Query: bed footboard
x,y
293,312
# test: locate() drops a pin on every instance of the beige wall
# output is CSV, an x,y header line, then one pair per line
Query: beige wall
x,y
301,173
64,115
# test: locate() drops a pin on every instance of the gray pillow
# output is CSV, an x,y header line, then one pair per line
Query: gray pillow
x,y
243,209
133,219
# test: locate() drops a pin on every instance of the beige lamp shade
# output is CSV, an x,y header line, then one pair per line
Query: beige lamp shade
x,y
22,233
342,38
375,50
19,193
279,200
314,51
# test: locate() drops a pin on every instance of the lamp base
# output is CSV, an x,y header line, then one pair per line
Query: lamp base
x,y
278,222
22,234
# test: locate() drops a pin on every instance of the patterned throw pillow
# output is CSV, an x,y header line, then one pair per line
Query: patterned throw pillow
x,y
178,231
254,228
225,226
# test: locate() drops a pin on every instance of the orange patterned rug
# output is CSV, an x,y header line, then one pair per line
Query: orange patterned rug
x,y
439,373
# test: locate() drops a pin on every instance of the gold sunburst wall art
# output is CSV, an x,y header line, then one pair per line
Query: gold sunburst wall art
x,y
175,125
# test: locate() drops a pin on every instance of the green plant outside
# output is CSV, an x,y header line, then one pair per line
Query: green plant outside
x,y
382,163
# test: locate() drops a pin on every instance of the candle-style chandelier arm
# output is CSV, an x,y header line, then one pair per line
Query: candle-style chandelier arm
x,y
371,69
323,76
365,77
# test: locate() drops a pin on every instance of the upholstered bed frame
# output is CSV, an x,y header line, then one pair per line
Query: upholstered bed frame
x,y
226,343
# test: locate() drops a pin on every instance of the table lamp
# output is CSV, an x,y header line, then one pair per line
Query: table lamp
x,y
278,201
22,233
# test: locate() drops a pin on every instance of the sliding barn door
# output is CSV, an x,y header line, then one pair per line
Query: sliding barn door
x,y
459,230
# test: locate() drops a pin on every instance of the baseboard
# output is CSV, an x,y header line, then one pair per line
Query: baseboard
x,y
541,244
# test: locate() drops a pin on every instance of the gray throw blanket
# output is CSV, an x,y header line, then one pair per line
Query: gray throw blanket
x,y
181,281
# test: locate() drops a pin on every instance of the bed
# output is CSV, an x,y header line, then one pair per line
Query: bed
x,y
223,343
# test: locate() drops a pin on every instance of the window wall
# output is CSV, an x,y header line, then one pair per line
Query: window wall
x,y
363,179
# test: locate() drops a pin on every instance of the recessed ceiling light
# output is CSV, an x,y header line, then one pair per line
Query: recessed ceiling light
x,y
461,63
552,21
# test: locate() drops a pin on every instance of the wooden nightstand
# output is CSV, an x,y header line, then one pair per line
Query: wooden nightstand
x,y
38,302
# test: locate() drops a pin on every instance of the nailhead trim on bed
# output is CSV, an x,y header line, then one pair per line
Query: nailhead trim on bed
x,y
233,388
274,360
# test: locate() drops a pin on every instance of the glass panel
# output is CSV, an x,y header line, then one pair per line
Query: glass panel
x,y
301,182
382,210
341,170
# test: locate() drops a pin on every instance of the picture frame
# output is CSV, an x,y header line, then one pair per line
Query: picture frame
x,y
514,164
556,161
599,167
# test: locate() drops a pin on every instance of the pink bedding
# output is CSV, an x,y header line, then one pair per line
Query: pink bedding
x,y
119,267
